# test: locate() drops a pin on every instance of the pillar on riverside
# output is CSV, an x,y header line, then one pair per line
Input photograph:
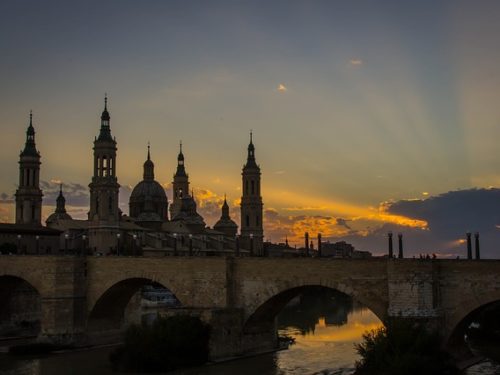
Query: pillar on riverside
x,y
476,238
391,253
469,245
400,242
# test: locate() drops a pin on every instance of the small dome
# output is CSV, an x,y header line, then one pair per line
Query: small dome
x,y
56,216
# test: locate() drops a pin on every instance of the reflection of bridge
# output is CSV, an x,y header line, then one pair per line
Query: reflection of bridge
x,y
79,297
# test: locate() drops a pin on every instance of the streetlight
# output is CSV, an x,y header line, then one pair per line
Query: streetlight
x,y
19,244
66,237
190,244
251,244
37,238
118,235
135,244
175,244
84,239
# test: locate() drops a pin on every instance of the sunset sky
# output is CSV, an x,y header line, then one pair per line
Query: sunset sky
x,y
368,116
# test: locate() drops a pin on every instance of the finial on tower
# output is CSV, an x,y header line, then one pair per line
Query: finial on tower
x,y
31,117
149,156
60,188
180,146
251,136
105,101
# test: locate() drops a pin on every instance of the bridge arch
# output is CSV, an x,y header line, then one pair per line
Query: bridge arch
x,y
20,307
261,318
108,312
468,313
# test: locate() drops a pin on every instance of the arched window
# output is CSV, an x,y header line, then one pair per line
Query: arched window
x,y
246,187
247,220
253,187
257,221
110,204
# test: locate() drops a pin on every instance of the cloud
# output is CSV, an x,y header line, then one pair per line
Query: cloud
x,y
76,194
282,88
356,62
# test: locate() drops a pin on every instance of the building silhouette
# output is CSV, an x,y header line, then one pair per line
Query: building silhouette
x,y
148,228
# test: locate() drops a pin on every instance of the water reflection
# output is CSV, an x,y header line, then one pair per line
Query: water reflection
x,y
325,325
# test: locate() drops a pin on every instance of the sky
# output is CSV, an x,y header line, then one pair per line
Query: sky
x,y
367,116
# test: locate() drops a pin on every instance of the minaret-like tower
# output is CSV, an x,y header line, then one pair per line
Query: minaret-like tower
x,y
28,194
252,233
104,213
104,186
225,224
180,185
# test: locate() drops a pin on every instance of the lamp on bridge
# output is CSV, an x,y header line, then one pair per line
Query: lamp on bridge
x,y
66,237
251,244
118,235
19,244
469,245
400,242
306,239
175,243
190,244
134,245
391,252
84,244
476,237
37,243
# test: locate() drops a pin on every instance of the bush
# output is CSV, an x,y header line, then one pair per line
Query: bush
x,y
165,345
402,347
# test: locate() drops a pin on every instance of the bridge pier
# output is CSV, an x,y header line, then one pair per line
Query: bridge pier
x,y
63,302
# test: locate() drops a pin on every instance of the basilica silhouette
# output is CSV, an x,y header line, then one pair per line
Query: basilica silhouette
x,y
151,228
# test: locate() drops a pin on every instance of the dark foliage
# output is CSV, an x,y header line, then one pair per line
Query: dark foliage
x,y
165,345
402,347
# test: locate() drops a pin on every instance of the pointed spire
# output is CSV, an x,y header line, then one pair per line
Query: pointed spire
x,y
60,202
225,209
181,171
149,167
29,146
105,132
251,154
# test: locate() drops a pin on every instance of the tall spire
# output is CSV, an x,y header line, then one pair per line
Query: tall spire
x,y
149,167
251,154
105,133
181,170
29,146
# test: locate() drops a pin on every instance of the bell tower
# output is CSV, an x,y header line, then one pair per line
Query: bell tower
x,y
252,233
104,214
28,195
180,185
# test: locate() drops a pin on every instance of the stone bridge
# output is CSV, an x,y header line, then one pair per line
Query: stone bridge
x,y
80,297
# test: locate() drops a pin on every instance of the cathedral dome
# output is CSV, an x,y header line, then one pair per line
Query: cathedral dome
x,y
148,198
60,212
225,224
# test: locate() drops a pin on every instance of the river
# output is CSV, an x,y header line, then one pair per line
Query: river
x,y
325,329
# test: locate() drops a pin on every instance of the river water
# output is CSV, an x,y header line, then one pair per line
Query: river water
x,y
325,330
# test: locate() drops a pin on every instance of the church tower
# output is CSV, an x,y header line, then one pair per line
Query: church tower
x,y
104,213
28,194
180,185
252,233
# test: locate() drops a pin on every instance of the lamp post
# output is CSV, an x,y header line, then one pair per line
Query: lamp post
x,y
391,252
37,240
84,244
400,244
190,244
175,244
319,245
251,244
66,237
134,246
476,237
19,251
118,235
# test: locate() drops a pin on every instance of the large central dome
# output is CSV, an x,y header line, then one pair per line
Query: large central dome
x,y
148,201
